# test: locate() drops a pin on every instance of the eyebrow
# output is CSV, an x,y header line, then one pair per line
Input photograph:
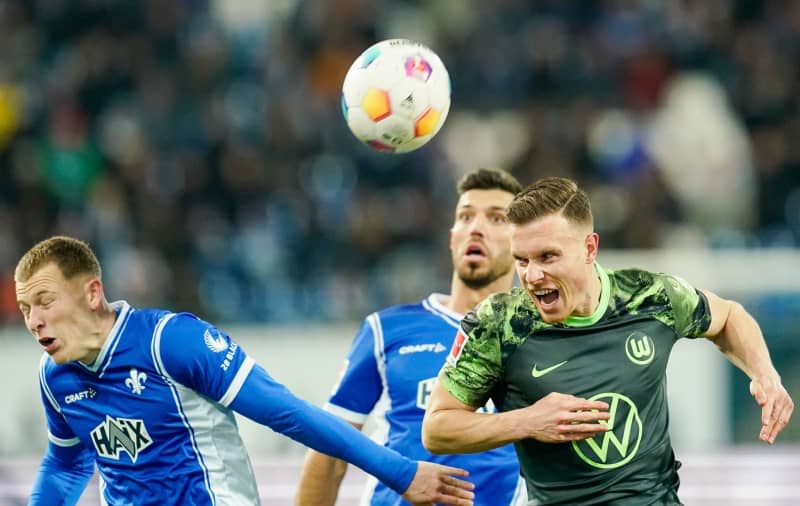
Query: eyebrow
x,y
490,208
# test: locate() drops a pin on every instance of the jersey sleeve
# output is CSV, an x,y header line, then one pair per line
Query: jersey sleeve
x,y
201,357
63,475
67,464
474,364
359,385
691,313
59,432
270,403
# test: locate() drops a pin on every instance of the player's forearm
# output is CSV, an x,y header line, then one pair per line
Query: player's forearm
x,y
460,431
319,480
269,403
62,476
743,343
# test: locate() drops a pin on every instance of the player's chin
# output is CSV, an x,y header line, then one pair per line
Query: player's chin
x,y
549,314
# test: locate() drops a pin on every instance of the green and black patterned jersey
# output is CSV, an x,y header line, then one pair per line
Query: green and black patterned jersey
x,y
619,355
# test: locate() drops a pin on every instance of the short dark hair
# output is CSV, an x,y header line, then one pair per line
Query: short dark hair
x,y
489,179
548,196
71,256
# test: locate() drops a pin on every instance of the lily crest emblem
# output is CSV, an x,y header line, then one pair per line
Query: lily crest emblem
x,y
136,381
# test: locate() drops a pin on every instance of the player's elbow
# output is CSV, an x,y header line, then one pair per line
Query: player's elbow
x,y
432,438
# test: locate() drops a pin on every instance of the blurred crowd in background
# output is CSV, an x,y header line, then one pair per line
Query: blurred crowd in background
x,y
199,145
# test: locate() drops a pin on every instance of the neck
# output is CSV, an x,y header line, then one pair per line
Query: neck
x,y
104,319
595,290
464,298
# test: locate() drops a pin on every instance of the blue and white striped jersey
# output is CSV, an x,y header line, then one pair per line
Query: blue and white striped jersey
x,y
153,409
390,372
155,413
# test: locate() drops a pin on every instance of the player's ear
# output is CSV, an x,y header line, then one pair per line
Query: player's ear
x,y
94,292
592,243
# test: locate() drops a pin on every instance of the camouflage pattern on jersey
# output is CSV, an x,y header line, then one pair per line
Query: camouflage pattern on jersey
x,y
504,320
619,355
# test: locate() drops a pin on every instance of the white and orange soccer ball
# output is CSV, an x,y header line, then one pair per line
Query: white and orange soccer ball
x,y
396,95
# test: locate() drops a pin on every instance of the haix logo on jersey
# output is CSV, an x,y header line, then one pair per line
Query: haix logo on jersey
x,y
417,348
89,393
115,435
217,343
136,381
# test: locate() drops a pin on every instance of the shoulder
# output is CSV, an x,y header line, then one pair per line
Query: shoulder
x,y
501,312
639,280
634,280
400,321
400,311
629,285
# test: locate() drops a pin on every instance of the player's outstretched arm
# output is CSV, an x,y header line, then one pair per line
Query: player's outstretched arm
x,y
63,475
451,426
739,337
269,403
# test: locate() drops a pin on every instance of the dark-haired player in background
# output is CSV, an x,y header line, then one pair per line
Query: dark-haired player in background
x,y
398,352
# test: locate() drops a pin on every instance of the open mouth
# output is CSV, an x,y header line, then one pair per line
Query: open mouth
x,y
48,343
475,251
547,297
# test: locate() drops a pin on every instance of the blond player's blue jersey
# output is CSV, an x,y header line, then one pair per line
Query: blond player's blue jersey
x,y
390,371
154,412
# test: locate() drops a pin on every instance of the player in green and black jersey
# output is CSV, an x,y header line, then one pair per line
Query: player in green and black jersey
x,y
576,360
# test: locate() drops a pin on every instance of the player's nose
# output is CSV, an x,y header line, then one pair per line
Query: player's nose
x,y
35,321
533,273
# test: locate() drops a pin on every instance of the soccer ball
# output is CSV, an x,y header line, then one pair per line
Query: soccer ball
x,y
396,95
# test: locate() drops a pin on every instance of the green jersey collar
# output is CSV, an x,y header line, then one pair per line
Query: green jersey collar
x,y
605,295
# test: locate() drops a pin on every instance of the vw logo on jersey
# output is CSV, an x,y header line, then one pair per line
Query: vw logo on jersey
x,y
640,348
619,444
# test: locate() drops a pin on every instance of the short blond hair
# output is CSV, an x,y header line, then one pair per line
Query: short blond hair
x,y
71,256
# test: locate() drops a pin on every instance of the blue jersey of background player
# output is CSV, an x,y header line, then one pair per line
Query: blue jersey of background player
x,y
148,396
398,352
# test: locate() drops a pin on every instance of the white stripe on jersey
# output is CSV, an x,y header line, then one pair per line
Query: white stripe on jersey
x,y
213,433
125,312
58,441
435,306
45,387
380,433
238,381
346,414
155,350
